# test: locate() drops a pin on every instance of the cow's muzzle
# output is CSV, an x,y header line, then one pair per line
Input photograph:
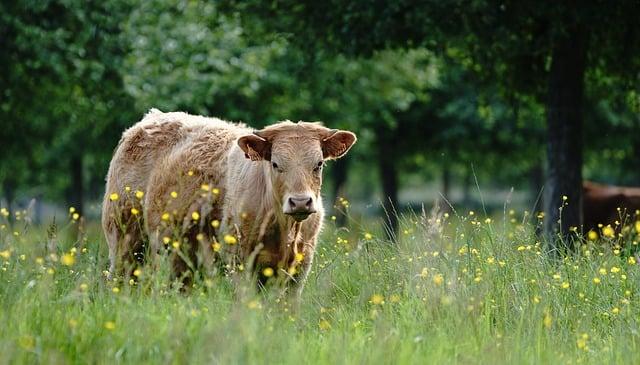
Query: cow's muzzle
x,y
299,207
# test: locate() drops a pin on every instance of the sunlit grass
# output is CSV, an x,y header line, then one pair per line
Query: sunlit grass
x,y
455,289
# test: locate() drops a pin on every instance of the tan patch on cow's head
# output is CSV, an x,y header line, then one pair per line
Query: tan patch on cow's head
x,y
296,153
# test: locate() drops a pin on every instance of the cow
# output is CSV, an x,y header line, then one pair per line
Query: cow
x,y
203,188
607,204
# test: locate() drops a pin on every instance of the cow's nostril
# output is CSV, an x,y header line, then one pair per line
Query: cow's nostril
x,y
300,204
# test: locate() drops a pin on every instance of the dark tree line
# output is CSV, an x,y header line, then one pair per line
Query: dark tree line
x,y
431,87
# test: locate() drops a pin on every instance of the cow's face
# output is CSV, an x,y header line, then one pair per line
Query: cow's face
x,y
296,153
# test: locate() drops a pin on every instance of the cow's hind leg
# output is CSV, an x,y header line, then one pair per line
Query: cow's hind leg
x,y
126,240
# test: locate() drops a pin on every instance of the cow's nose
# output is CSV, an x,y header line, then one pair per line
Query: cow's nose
x,y
300,207
300,204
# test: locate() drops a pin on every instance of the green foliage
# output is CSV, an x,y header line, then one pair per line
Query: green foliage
x,y
62,85
186,56
448,85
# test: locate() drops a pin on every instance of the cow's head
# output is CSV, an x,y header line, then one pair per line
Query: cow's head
x,y
295,154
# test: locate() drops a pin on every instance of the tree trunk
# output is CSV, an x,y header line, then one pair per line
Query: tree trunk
x,y
635,170
387,161
446,181
466,189
536,184
445,200
339,176
564,139
8,188
37,209
76,190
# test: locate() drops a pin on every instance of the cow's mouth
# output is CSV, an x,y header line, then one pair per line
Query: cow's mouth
x,y
300,216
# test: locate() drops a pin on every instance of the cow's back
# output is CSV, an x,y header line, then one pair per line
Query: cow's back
x,y
148,142
606,204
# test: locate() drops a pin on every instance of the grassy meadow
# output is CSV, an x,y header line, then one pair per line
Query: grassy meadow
x,y
459,288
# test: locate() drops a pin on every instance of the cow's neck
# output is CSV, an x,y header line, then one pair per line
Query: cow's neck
x,y
287,230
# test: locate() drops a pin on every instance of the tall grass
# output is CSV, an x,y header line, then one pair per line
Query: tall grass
x,y
460,289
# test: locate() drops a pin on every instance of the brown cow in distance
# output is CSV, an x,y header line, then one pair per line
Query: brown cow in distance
x,y
601,203
205,188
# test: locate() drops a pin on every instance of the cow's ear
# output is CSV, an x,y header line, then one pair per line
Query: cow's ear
x,y
337,144
255,147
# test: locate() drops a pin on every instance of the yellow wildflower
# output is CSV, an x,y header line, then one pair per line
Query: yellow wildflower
x,y
615,270
267,272
230,240
216,247
592,235
68,259
205,187
113,197
547,320
596,280
72,210
135,211
75,216
324,325
299,257
377,299
137,272
165,216
608,232
195,216
581,343
368,236
565,285
110,325
139,194
424,273
438,279
215,223
174,194
215,191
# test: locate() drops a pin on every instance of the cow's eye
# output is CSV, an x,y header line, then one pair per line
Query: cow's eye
x,y
275,165
318,166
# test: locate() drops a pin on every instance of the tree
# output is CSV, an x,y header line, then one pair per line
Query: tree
x,y
64,95
543,49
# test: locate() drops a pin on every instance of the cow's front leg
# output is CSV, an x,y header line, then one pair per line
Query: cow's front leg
x,y
303,267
